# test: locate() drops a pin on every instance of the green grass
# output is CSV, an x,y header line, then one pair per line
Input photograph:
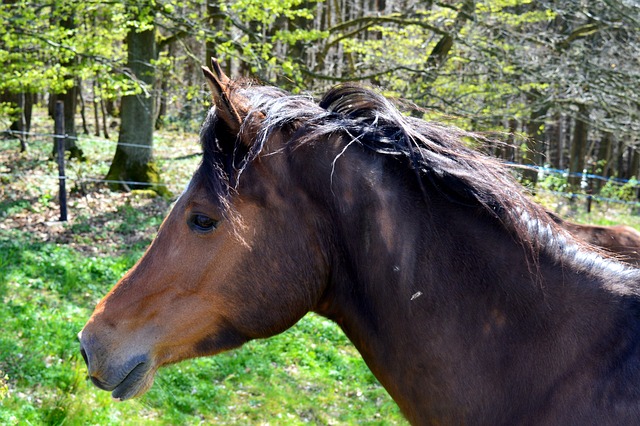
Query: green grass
x,y
602,213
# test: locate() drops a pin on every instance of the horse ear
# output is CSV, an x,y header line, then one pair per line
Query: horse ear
x,y
231,107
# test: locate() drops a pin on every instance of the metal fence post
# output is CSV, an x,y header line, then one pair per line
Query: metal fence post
x,y
59,138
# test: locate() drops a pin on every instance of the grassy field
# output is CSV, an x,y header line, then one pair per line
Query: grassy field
x,y
52,274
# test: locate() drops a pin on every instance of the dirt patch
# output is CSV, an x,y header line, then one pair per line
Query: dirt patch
x,y
100,221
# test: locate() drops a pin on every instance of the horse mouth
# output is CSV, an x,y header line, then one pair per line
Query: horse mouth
x,y
139,379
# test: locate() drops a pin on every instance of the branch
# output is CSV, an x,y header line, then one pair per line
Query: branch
x,y
580,32
172,38
394,18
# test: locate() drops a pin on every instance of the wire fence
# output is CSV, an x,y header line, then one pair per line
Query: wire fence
x,y
583,176
36,137
47,138
82,179
62,177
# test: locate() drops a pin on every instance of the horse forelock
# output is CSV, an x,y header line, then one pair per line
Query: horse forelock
x,y
216,168
223,161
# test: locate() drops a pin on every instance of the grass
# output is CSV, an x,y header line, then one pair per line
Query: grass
x,y
602,213
53,274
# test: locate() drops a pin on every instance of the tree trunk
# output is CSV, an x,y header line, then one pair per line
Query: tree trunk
x,y
22,124
70,105
85,128
163,88
96,110
578,146
603,162
509,153
216,24
133,166
556,144
534,154
70,100
634,162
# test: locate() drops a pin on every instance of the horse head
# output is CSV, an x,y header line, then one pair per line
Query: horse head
x,y
215,275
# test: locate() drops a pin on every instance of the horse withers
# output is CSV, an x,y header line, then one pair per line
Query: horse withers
x,y
468,303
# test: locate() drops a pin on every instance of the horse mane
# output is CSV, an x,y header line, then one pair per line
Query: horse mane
x,y
437,155
435,152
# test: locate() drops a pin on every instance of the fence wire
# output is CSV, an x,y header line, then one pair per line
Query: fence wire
x,y
78,179
40,137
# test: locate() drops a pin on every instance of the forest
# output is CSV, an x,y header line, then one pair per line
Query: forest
x,y
555,84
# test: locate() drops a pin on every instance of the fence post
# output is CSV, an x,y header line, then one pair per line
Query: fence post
x,y
59,138
589,194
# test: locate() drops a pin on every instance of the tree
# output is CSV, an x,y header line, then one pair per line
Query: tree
x,y
512,66
50,46
133,161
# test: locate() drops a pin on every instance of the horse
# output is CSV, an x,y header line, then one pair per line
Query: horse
x,y
620,240
466,301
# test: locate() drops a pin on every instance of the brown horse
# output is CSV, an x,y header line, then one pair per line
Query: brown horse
x,y
620,240
469,304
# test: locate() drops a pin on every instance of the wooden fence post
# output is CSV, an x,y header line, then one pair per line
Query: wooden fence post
x,y
59,138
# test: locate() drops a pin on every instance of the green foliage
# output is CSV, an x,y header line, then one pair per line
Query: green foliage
x,y
554,182
267,12
627,191
269,27
4,385
48,47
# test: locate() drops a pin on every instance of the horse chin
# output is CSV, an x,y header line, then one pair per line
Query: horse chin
x,y
136,383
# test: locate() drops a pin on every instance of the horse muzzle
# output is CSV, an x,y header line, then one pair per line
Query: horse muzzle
x,y
125,376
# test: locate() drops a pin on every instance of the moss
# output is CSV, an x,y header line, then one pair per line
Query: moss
x,y
130,175
144,193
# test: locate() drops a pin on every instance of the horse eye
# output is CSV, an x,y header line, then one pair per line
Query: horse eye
x,y
201,223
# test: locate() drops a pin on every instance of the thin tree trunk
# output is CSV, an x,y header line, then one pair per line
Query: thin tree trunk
x,y
82,108
216,24
603,161
556,143
579,146
510,152
535,146
105,127
22,124
70,100
96,113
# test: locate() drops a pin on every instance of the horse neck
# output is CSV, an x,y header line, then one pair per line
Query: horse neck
x,y
443,303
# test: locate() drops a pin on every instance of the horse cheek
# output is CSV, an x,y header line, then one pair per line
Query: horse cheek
x,y
280,276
